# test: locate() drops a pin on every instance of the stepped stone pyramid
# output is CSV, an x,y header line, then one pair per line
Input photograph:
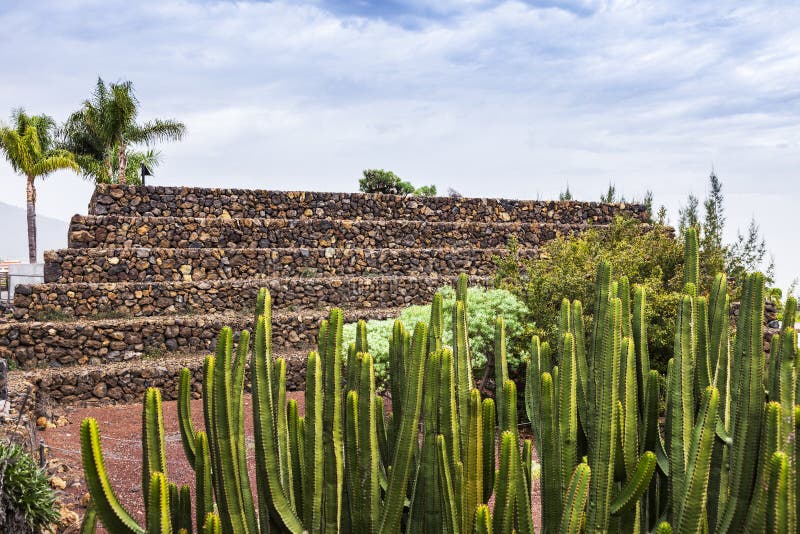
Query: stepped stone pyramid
x,y
152,274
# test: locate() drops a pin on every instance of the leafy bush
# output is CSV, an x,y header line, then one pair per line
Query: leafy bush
x,y
387,182
426,191
27,504
483,306
568,266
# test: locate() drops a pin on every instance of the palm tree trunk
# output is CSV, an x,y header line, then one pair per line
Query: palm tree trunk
x,y
30,193
109,169
123,163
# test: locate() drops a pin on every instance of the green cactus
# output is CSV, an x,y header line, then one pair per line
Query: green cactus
x,y
425,506
473,462
212,524
690,513
603,453
463,366
746,406
636,479
187,430
691,269
312,483
523,520
452,519
183,521
272,500
238,512
295,422
448,408
527,460
567,410
399,362
154,456
158,507
351,449
111,513
436,324
789,313
488,448
549,456
89,522
483,520
204,490
726,462
533,395
639,334
778,505
369,457
503,517
406,436
500,369
575,501
681,398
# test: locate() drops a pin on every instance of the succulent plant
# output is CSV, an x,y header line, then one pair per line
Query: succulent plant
x,y
723,459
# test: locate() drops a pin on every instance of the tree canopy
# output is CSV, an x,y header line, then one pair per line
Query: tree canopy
x,y
387,182
103,130
28,146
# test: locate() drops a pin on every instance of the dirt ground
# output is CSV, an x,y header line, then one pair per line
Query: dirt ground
x,y
120,431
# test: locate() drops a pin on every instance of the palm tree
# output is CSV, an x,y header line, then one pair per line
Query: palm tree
x,y
149,158
101,132
28,146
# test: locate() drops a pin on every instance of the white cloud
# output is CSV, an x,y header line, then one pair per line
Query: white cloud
x,y
492,98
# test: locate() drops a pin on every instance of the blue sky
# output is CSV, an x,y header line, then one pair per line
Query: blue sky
x,y
492,98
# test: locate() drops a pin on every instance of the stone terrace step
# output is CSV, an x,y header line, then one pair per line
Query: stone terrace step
x,y
61,344
171,264
247,203
109,231
121,383
137,299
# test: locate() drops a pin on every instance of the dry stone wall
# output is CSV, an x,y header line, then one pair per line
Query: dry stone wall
x,y
127,382
146,299
184,264
190,232
65,343
153,274
263,204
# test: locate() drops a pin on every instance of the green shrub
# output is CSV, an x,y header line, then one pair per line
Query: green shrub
x,y
568,265
387,182
27,504
483,306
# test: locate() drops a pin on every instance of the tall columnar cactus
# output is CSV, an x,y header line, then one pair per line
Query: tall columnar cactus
x,y
726,461
747,396
500,368
617,403
691,272
300,461
715,468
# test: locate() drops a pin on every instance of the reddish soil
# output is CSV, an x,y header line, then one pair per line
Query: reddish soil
x,y
120,431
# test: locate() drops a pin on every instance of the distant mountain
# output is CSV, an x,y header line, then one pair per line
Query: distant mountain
x,y
50,234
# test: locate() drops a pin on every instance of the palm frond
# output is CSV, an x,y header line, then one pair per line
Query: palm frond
x,y
44,125
50,164
157,130
92,169
106,121
9,144
16,150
